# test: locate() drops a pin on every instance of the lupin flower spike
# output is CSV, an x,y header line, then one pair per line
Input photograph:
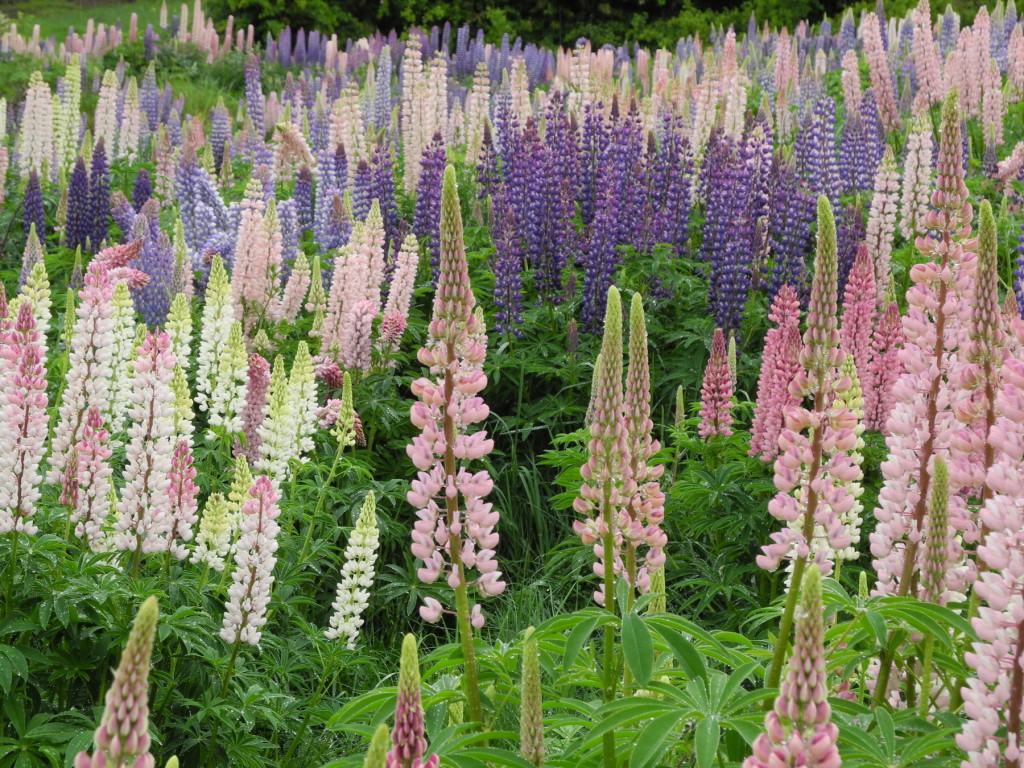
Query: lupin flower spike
x,y
531,717
377,754
813,471
249,594
716,392
407,738
607,484
122,739
799,730
353,595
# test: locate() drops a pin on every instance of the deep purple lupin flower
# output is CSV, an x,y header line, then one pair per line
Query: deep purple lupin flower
x,y
382,179
362,190
789,226
142,190
287,215
254,94
729,218
149,99
672,182
303,194
507,267
594,141
153,300
79,223
427,217
601,260
488,175
123,213
32,208
99,195
816,151
382,98
851,233
203,212
220,132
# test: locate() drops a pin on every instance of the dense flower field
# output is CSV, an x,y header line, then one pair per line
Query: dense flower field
x,y
435,402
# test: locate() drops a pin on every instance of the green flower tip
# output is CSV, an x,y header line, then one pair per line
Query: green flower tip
x,y
172,763
409,666
986,232
145,619
376,755
812,591
613,313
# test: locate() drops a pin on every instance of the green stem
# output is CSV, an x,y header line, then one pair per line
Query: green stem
x,y
786,625
926,675
328,669
610,667
223,693
202,578
319,505
469,679
13,565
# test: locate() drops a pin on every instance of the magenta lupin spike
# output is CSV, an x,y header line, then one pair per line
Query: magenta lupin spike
x,y
716,392
122,739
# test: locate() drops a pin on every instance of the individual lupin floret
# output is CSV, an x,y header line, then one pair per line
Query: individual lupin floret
x,y
799,730
122,738
353,594
716,392
407,738
24,424
249,594
227,398
213,542
144,509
